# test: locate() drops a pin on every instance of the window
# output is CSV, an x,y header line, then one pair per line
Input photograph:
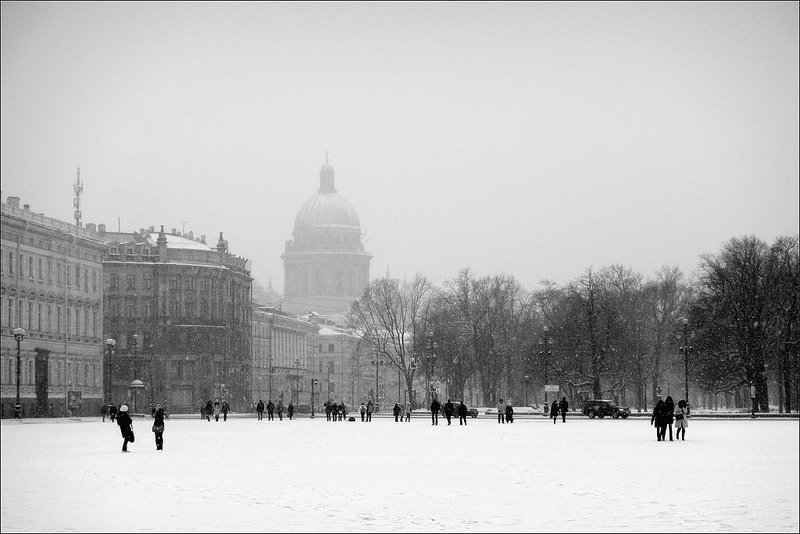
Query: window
x,y
330,347
58,319
203,284
147,309
78,276
129,309
190,283
58,274
189,308
29,321
10,312
49,271
147,282
49,317
40,269
173,308
203,308
131,281
114,281
173,282
30,267
94,281
85,322
113,250
20,265
30,371
94,323
39,317
10,263
146,251
129,251
69,275
86,279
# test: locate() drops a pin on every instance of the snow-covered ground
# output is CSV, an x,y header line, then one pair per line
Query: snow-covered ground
x,y
317,476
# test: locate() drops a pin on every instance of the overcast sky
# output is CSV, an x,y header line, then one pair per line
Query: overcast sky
x,y
530,139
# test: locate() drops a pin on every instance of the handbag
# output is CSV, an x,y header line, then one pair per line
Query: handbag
x,y
131,437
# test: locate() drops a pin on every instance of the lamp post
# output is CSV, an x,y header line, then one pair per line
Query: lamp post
x,y
270,377
544,352
19,334
527,379
110,344
297,381
685,349
314,382
376,362
430,348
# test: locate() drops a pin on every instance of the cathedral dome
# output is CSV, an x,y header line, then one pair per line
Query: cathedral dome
x,y
326,209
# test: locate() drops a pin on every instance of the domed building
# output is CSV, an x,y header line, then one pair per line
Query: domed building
x,y
325,265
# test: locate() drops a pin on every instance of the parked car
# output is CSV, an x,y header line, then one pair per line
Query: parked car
x,y
601,408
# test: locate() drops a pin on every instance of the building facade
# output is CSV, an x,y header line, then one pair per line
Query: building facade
x,y
52,288
179,313
283,357
325,265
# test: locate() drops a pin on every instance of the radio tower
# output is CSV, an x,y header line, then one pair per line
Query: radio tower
x,y
78,188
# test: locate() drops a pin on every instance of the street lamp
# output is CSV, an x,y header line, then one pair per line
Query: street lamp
x,y
544,352
297,381
527,379
110,344
376,362
135,343
430,348
19,333
314,382
270,377
685,349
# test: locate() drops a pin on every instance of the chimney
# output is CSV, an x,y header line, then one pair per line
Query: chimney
x,y
91,227
101,228
26,207
13,202
203,239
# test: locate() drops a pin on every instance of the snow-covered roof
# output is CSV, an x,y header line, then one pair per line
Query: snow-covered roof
x,y
176,241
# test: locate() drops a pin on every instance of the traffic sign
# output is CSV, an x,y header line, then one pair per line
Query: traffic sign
x,y
552,388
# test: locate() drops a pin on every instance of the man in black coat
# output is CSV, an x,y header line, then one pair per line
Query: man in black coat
x,y
225,408
396,412
564,406
270,409
158,426
448,410
435,407
125,426
659,418
462,413
260,409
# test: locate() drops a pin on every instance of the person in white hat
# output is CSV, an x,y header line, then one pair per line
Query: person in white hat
x,y
125,426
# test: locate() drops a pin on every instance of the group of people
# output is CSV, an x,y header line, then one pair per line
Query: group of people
x,y
213,410
335,412
401,413
449,410
271,410
557,407
366,411
665,414
125,423
505,412
109,410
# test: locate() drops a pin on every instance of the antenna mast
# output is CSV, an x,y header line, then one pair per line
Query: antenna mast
x,y
78,188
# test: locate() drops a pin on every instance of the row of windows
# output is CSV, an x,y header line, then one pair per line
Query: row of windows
x,y
42,269
130,250
78,373
47,317
173,283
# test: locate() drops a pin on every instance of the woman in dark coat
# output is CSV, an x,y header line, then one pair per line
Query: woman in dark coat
x,y
125,426
554,411
658,418
669,414
509,413
158,426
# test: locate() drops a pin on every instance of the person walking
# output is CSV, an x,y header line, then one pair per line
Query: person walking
x,y
225,408
448,410
270,410
209,411
408,413
462,414
217,409
396,412
554,411
501,411
290,410
658,419
104,411
402,412
125,426
260,409
669,414
280,409
363,410
158,426
112,411
509,413
681,420
327,405
435,407
564,406
370,407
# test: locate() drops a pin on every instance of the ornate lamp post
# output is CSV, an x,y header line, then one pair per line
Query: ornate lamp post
x,y
527,379
297,381
19,334
377,362
544,352
686,348
314,382
430,349
110,344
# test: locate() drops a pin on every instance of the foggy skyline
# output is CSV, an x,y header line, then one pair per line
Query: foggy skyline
x,y
530,139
